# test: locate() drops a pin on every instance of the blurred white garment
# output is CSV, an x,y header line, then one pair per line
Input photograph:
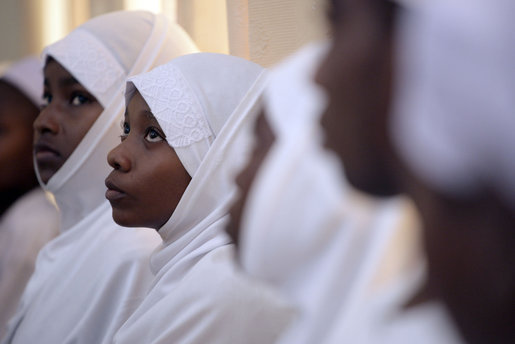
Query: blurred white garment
x,y
304,230
384,318
90,278
25,227
204,103
454,115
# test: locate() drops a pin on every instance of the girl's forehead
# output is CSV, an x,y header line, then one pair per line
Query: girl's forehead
x,y
54,70
139,109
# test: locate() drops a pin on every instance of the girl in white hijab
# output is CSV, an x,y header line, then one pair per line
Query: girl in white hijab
x,y
454,128
183,137
303,230
27,218
93,275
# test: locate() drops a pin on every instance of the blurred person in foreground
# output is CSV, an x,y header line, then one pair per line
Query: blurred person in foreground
x,y
452,110
28,220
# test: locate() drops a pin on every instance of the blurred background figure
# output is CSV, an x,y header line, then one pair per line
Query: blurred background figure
x,y
453,126
27,218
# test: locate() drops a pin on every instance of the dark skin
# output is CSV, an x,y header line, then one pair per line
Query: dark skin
x,y
265,138
357,75
17,113
68,113
148,179
469,245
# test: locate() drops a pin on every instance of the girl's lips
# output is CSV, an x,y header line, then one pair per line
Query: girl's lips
x,y
45,153
113,193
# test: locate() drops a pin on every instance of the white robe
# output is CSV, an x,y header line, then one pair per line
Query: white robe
x,y
91,278
198,295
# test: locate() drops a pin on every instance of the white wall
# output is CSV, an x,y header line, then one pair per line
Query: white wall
x,y
263,31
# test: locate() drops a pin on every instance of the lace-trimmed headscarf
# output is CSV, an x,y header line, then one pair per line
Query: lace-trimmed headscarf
x,y
191,110
199,100
205,104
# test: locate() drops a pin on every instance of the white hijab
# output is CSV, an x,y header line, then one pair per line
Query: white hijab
x,y
304,231
93,275
27,76
455,110
204,103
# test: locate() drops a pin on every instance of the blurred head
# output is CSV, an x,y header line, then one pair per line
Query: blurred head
x,y
264,138
148,179
20,97
357,75
68,112
17,113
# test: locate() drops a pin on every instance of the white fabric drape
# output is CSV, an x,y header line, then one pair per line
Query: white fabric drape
x,y
454,115
304,231
27,225
197,295
93,275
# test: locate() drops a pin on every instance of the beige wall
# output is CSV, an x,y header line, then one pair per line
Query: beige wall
x,y
263,31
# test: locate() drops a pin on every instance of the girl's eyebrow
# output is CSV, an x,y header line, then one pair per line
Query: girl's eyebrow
x,y
149,115
68,81
63,82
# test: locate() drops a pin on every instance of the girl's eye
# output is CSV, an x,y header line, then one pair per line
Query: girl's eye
x,y
47,99
79,99
125,131
153,136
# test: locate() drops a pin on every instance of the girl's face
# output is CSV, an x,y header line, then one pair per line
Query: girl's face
x,y
148,179
68,113
356,74
16,116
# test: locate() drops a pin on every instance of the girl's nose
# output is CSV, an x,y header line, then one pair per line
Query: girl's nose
x,y
118,159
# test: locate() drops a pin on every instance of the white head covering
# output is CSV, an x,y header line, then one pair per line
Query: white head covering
x,y
27,75
303,230
204,103
455,107
93,275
